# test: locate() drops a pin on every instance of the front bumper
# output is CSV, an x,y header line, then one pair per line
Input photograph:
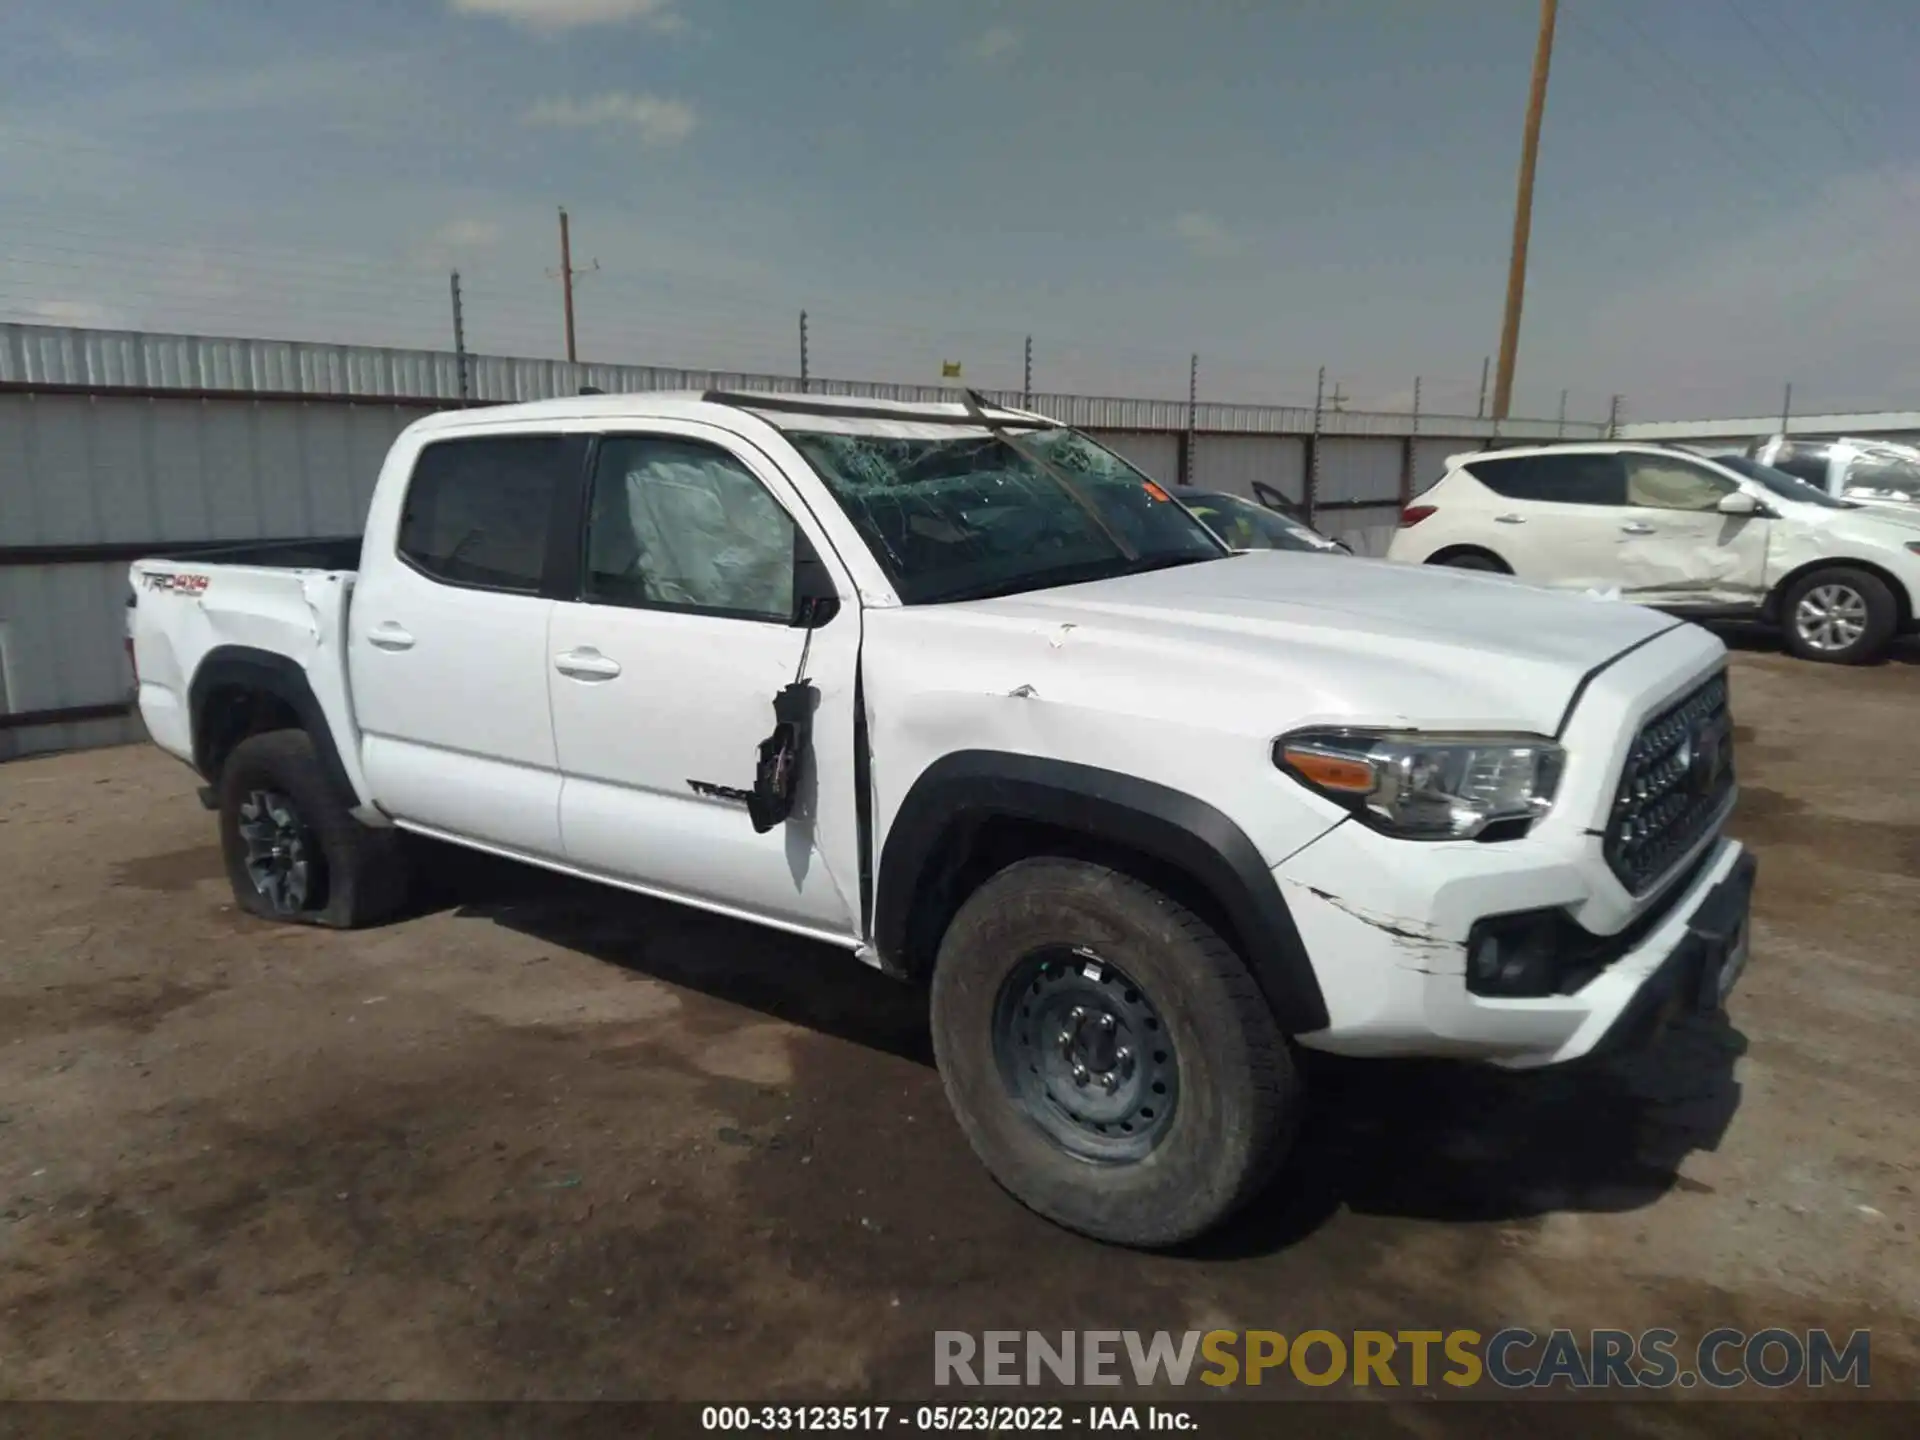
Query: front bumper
x,y
1397,986
1699,972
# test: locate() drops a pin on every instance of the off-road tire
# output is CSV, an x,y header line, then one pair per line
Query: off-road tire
x,y
1239,1094
359,873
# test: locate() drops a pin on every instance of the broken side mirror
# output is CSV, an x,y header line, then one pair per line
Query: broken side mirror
x,y
816,600
777,767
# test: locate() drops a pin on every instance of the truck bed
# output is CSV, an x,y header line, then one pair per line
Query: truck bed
x,y
329,552
263,607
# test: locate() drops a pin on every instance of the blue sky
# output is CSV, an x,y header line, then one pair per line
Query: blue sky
x,y
1728,188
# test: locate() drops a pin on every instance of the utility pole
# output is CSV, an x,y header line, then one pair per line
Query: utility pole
x,y
1786,407
1026,381
459,338
1523,213
1193,419
1313,446
1416,403
1338,400
1613,419
803,352
1562,430
567,272
1486,363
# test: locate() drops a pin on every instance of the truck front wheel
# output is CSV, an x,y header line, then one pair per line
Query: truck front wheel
x,y
1109,1056
293,851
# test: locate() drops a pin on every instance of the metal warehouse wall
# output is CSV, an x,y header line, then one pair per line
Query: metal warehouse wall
x,y
1154,455
115,444
88,483
1236,463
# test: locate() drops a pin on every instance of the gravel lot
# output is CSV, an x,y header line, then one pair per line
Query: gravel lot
x,y
547,1141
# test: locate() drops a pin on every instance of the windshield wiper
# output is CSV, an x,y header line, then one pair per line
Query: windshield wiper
x,y
977,410
1168,562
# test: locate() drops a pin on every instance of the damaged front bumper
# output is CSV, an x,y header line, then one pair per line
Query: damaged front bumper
x,y
1388,931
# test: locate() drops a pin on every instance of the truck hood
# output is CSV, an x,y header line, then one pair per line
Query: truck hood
x,y
1338,639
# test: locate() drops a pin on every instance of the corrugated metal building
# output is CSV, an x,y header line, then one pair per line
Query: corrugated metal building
x,y
1738,433
118,444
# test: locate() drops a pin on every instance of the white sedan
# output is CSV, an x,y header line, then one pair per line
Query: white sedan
x,y
1725,538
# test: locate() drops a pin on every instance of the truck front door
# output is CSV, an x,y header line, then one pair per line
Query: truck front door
x,y
663,674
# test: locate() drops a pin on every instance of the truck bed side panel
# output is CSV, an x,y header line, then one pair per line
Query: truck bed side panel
x,y
185,611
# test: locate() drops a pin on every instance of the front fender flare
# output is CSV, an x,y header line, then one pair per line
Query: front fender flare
x,y
961,791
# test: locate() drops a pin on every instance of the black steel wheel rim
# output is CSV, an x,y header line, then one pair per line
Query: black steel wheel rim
x,y
281,855
1085,1055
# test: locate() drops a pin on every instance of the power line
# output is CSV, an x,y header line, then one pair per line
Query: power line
x,y
1794,81
1665,93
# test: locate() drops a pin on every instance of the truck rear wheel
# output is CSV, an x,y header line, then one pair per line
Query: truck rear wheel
x,y
292,851
1109,1056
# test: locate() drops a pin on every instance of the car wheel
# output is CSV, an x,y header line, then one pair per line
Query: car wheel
x,y
1110,1058
1839,615
1471,560
292,850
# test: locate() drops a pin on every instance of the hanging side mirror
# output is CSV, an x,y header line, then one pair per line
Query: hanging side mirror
x,y
777,767
816,600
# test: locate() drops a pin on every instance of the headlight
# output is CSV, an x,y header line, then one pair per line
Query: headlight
x,y
1428,786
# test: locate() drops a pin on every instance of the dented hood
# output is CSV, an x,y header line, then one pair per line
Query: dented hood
x,y
1362,639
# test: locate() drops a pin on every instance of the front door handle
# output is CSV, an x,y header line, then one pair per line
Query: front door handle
x,y
389,636
1634,527
586,663
1511,519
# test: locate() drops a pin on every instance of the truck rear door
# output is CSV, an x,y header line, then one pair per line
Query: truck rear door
x,y
448,647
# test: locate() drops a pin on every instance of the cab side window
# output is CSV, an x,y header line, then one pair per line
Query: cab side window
x,y
675,524
1658,482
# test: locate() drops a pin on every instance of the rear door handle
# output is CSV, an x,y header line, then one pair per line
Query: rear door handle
x,y
1634,527
389,636
1511,519
586,663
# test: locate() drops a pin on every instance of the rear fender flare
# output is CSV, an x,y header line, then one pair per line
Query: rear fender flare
x,y
246,668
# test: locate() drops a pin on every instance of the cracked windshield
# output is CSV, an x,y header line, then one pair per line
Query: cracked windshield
x,y
971,515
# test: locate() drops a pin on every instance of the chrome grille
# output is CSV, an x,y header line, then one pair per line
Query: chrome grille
x,y
1678,775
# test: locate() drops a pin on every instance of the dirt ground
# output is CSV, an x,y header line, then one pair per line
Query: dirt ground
x,y
549,1141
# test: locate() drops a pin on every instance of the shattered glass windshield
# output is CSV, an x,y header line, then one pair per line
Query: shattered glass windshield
x,y
968,515
1884,472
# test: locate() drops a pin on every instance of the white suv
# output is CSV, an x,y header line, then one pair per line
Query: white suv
x,y
1723,538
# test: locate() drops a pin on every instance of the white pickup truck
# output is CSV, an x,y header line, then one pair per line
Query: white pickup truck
x,y
958,690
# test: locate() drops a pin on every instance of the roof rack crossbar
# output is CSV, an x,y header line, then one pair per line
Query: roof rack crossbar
x,y
809,405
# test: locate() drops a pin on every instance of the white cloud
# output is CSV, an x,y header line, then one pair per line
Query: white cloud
x,y
569,14
467,234
659,121
1206,236
996,43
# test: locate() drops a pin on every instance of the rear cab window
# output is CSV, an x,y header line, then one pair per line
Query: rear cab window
x,y
479,511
